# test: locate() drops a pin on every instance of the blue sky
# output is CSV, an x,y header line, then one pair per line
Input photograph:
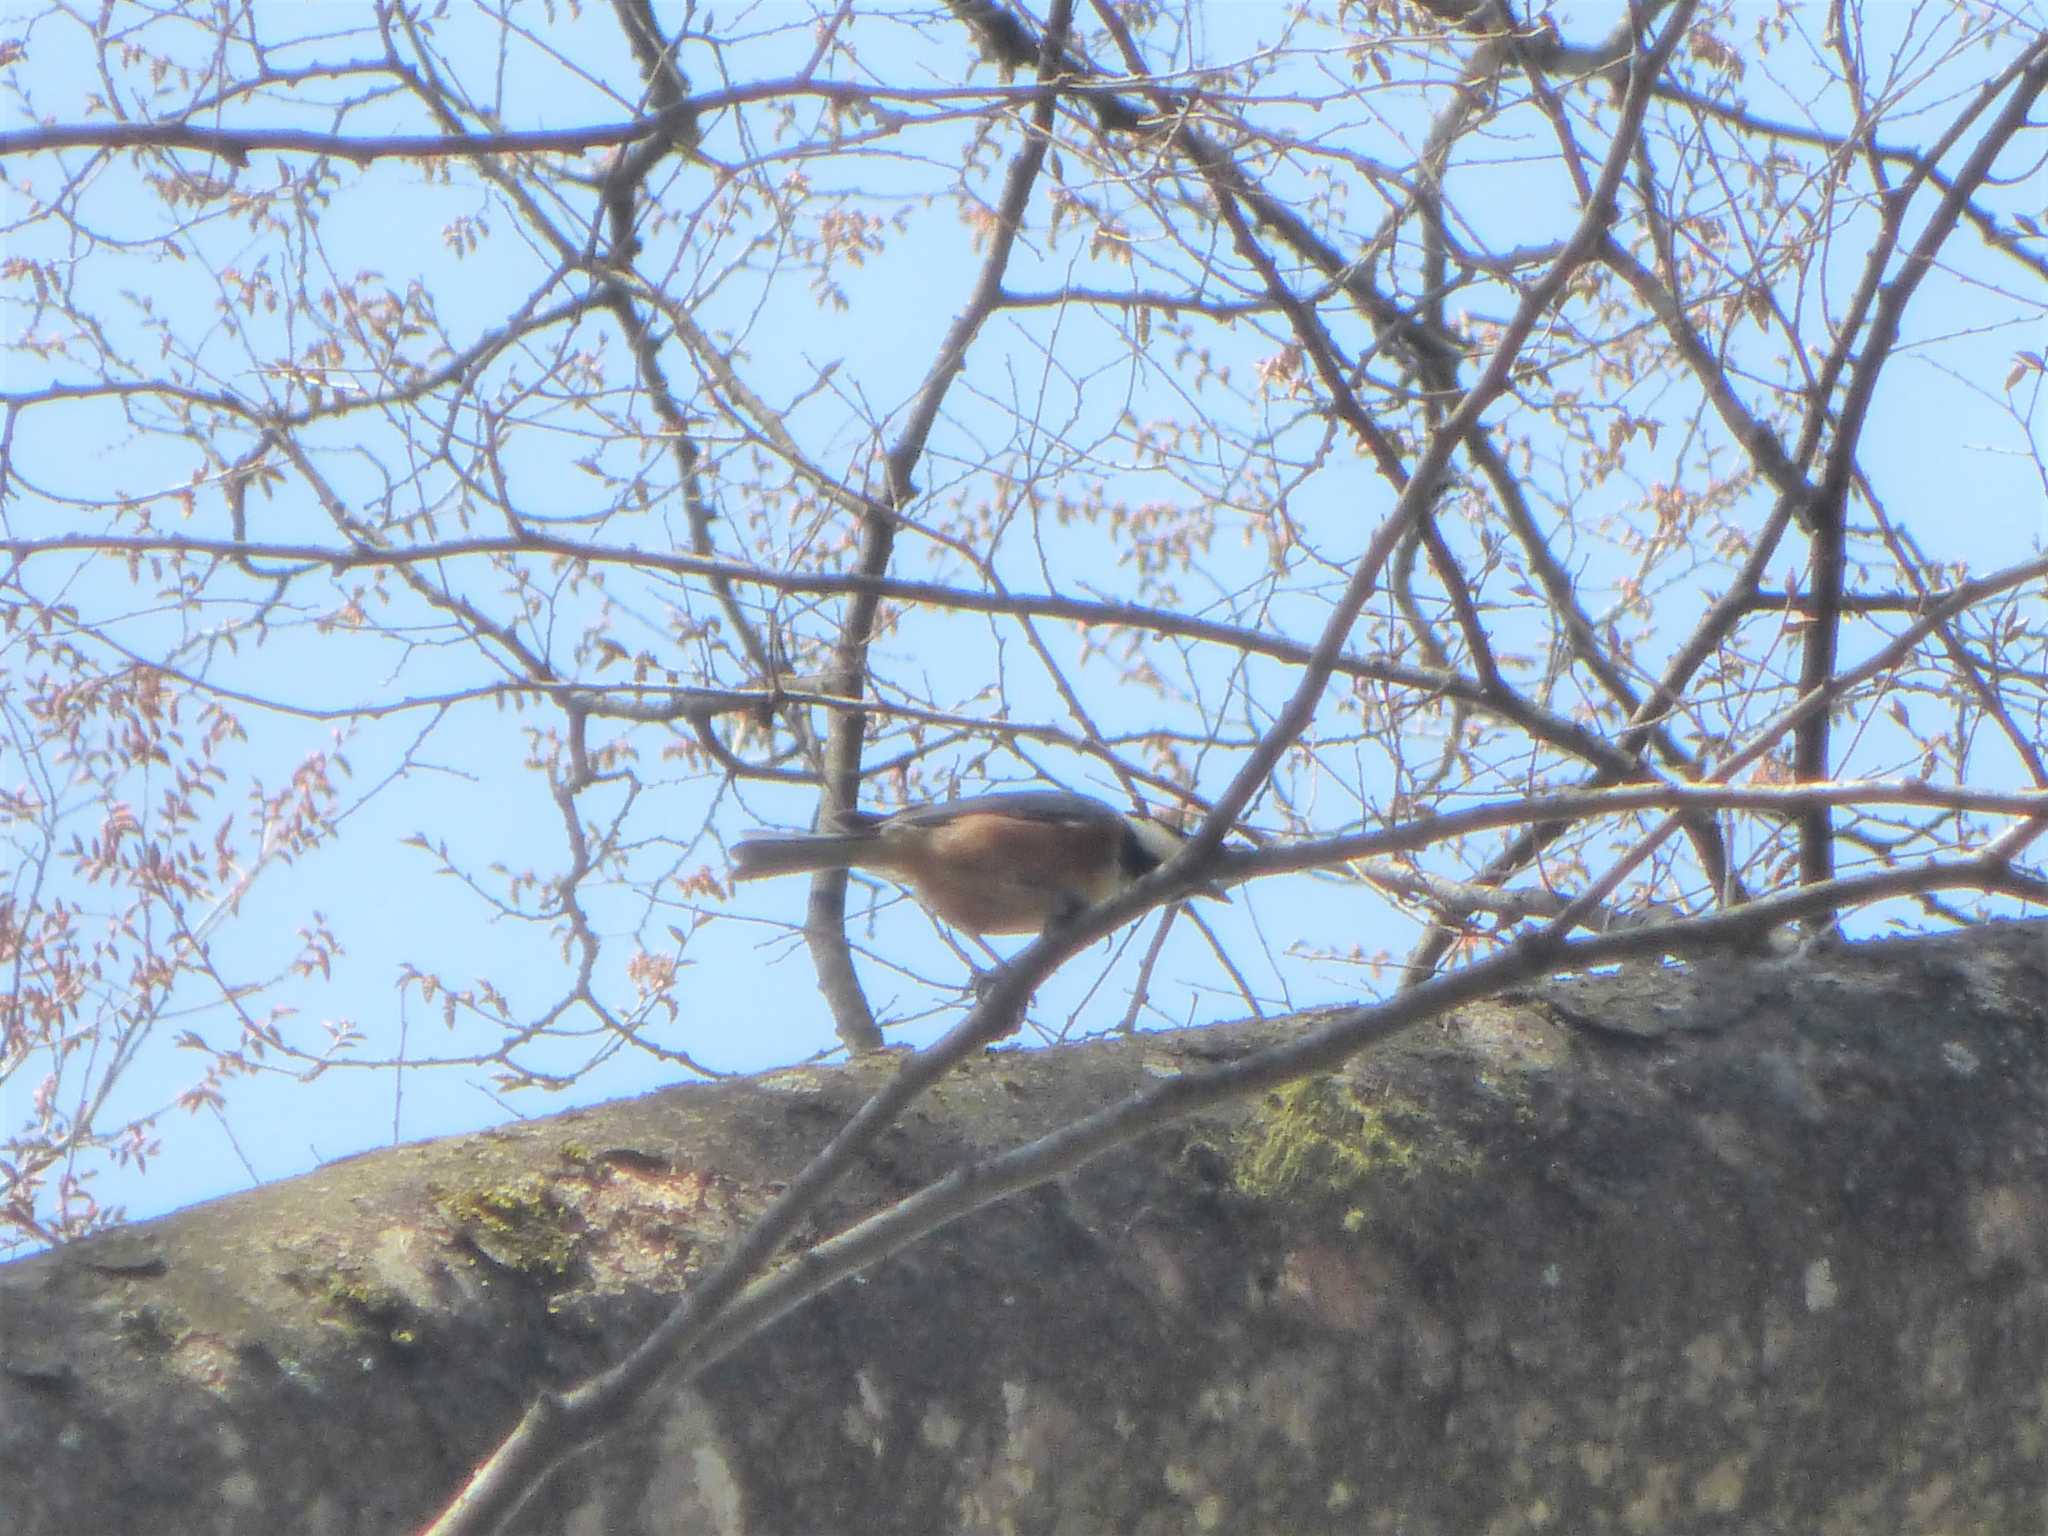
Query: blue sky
x,y
1956,459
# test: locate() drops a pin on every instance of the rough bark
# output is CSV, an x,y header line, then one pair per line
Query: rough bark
x,y
1761,1245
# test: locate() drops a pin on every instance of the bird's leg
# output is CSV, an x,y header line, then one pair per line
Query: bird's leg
x,y
1068,909
984,982
985,985
981,980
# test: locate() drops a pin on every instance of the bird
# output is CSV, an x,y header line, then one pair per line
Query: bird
x,y
1018,862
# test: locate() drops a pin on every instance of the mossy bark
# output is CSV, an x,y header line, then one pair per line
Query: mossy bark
x,y
1761,1245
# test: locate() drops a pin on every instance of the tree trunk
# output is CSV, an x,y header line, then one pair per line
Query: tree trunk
x,y
1762,1244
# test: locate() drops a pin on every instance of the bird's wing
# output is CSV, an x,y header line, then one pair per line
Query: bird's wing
x,y
1049,805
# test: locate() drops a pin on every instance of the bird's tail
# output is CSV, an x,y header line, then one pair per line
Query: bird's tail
x,y
762,854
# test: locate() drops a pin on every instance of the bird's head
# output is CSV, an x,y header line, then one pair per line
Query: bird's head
x,y
1156,841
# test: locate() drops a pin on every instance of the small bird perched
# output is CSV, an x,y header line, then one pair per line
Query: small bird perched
x,y
1009,863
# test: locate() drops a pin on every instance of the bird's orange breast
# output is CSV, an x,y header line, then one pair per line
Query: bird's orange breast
x,y
1001,874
